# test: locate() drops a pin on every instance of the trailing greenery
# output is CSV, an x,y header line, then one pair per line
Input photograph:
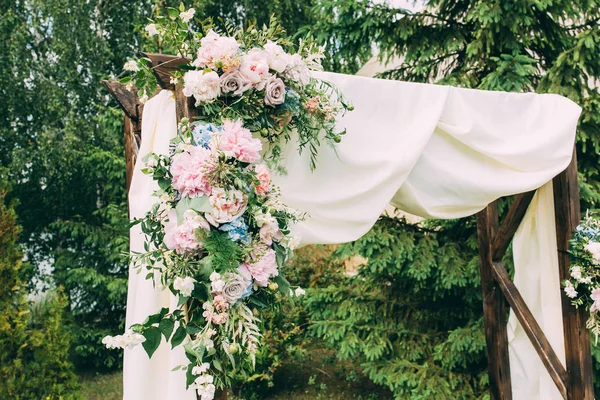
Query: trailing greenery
x,y
34,361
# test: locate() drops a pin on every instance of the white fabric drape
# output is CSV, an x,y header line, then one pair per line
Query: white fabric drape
x,y
433,151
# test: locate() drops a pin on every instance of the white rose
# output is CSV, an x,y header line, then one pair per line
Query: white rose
x,y
204,87
278,58
152,30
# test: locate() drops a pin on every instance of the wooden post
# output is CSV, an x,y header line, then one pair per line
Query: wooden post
x,y
494,307
577,337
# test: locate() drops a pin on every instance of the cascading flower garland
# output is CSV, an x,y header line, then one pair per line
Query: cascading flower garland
x,y
583,287
219,234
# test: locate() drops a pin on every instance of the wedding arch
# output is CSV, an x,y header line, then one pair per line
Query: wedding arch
x,y
573,378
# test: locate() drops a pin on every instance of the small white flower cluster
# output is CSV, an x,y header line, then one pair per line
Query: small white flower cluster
x,y
127,340
570,290
131,65
204,383
185,286
186,16
152,30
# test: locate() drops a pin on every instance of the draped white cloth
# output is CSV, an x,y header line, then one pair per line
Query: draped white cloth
x,y
433,151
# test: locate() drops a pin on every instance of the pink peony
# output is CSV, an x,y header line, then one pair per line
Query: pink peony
x,y
217,51
226,205
264,177
264,269
255,67
188,172
237,141
182,238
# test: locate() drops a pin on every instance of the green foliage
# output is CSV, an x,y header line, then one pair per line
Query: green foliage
x,y
34,361
411,316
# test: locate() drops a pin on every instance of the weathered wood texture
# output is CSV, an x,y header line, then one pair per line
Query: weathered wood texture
x,y
511,223
532,329
577,338
127,100
494,308
163,65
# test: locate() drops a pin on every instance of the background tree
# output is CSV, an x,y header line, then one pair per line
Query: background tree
x,y
34,361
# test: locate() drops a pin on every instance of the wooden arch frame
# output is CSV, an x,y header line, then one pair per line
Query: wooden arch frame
x,y
574,381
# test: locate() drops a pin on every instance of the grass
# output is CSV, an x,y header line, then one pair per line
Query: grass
x,y
319,377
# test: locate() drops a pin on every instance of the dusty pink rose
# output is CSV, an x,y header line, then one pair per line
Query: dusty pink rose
x,y
264,269
237,141
264,178
226,205
269,231
188,172
182,238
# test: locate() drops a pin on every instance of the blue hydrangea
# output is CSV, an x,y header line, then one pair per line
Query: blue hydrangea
x,y
292,102
203,133
248,291
237,230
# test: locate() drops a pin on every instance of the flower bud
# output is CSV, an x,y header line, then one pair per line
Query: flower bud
x,y
219,64
273,286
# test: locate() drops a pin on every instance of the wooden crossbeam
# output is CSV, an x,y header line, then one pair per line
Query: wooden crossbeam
x,y
163,65
127,100
538,339
511,223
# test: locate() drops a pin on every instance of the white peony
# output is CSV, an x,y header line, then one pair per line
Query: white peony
x,y
185,286
131,65
204,87
217,51
186,16
152,30
277,57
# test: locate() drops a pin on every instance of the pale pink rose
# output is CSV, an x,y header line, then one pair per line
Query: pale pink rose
x,y
188,172
226,206
269,231
264,177
255,67
217,51
264,269
237,141
184,237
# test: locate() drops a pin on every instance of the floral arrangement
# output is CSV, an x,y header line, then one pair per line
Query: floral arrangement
x,y
218,236
583,287
254,75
